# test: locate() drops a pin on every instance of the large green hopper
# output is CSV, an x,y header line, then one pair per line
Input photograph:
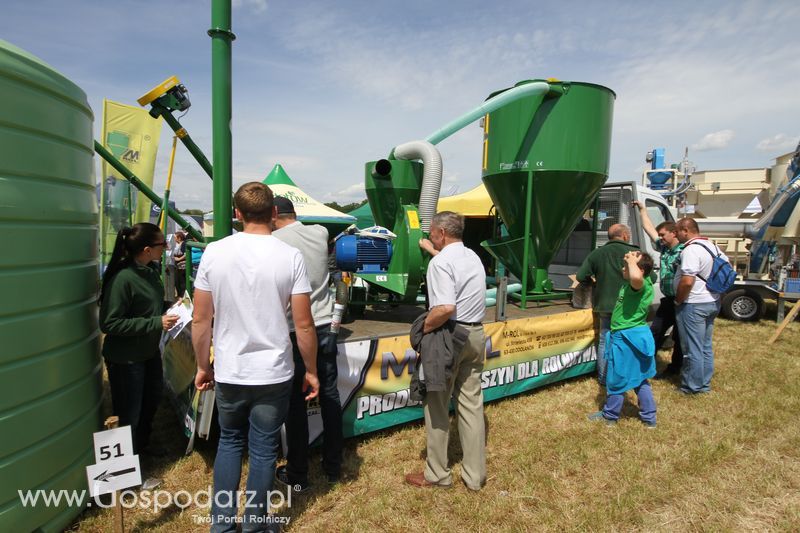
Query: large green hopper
x,y
545,158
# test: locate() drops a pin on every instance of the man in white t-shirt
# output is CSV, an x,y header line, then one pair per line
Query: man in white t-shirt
x,y
456,284
695,307
244,284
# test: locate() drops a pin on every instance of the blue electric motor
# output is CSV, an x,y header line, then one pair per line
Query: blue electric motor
x,y
363,255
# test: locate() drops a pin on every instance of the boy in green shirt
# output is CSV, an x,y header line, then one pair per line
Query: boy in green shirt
x,y
630,349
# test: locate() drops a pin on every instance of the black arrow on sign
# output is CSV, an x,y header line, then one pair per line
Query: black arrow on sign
x,y
105,476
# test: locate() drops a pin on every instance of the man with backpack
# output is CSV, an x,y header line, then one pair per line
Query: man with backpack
x,y
703,275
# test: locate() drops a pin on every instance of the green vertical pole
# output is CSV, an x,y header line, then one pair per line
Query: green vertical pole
x,y
595,214
221,38
527,245
162,222
162,219
131,207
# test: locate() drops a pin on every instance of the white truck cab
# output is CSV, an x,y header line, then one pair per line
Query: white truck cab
x,y
614,207
743,302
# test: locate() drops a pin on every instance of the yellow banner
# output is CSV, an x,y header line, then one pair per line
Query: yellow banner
x,y
132,136
521,354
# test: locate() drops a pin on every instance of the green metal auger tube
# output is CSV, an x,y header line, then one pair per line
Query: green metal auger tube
x,y
165,98
158,110
221,111
147,191
545,159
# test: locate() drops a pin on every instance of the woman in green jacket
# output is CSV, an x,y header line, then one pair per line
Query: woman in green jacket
x,y
131,315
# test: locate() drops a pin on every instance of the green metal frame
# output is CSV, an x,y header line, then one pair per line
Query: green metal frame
x,y
541,288
524,298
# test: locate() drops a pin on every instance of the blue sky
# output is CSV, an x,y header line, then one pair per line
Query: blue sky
x,y
323,87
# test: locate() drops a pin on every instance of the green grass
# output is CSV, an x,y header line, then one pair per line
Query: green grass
x,y
726,461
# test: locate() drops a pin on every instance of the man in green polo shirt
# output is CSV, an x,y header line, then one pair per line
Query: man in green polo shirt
x,y
665,240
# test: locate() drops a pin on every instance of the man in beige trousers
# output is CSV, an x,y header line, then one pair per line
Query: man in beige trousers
x,y
456,291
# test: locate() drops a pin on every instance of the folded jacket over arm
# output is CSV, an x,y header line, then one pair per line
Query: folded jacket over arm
x,y
438,349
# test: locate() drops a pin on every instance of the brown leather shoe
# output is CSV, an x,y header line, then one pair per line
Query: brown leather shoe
x,y
418,480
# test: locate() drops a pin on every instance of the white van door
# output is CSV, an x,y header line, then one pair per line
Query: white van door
x,y
658,211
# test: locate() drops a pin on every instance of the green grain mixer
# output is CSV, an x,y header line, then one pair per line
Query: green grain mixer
x,y
545,157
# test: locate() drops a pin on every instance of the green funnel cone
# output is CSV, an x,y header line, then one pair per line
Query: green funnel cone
x,y
510,252
558,199
278,176
545,159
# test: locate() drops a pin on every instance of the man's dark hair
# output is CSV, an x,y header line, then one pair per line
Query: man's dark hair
x,y
667,225
645,263
254,200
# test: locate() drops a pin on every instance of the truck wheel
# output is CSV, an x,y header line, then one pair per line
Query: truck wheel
x,y
742,305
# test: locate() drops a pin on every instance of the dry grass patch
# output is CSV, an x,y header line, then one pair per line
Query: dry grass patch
x,y
729,460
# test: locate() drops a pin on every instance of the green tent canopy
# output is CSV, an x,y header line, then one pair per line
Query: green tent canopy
x,y
309,210
363,214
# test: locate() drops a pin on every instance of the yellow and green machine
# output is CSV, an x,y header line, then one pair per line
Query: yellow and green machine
x,y
545,157
393,191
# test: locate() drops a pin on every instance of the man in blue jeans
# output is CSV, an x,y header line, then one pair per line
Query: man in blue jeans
x,y
244,284
312,241
696,307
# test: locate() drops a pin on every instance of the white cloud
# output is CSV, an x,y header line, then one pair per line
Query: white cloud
x,y
414,70
348,194
345,81
777,143
255,6
449,179
714,141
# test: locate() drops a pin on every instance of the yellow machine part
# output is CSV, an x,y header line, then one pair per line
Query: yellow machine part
x,y
158,90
